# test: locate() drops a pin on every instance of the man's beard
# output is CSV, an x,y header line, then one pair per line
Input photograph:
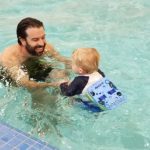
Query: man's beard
x,y
32,50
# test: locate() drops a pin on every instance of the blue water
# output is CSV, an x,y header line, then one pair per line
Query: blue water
x,y
120,31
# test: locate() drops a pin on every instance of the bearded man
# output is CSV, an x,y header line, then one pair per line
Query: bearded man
x,y
23,61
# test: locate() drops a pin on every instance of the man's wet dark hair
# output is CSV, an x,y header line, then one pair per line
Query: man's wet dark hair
x,y
26,23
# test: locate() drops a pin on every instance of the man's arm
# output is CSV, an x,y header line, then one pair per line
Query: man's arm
x,y
55,54
22,79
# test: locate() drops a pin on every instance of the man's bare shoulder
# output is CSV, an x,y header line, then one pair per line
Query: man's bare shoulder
x,y
9,55
49,47
11,49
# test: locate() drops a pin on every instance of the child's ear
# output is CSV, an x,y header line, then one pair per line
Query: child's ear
x,y
81,70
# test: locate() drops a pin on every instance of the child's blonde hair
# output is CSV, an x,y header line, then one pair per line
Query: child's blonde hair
x,y
87,59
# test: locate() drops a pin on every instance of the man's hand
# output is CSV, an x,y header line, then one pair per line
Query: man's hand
x,y
54,84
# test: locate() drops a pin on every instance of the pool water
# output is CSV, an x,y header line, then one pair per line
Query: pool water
x,y
120,31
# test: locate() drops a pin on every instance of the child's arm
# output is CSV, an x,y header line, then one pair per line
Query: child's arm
x,y
75,87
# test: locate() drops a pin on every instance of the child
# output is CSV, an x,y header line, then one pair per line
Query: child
x,y
95,90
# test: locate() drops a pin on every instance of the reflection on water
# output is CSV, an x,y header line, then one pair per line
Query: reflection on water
x,y
40,111
43,114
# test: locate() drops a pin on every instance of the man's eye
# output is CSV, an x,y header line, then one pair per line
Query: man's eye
x,y
35,40
43,38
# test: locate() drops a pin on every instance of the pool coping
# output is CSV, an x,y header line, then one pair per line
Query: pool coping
x,y
15,139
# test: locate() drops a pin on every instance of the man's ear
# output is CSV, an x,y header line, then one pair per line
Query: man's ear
x,y
23,41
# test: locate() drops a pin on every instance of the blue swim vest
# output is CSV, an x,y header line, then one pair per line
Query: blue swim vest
x,y
103,94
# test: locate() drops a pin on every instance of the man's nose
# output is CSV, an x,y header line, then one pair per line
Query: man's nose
x,y
41,42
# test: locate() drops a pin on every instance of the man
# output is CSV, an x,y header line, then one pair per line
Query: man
x,y
31,47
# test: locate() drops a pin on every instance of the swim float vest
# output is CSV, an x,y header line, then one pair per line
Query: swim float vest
x,y
103,94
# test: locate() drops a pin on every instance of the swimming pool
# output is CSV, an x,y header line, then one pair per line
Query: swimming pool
x,y
120,30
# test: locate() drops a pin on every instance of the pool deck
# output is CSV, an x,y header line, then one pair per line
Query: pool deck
x,y
14,139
